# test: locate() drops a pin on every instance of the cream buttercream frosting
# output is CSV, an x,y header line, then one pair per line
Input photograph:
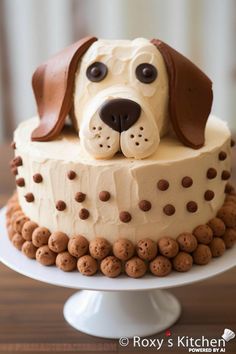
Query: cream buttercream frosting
x,y
128,181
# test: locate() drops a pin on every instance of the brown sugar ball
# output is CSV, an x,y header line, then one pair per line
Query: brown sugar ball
x,y
19,223
66,262
203,234
135,267
160,266
228,215
45,256
183,262
202,255
123,249
18,241
229,238
111,267
78,246
168,247
217,247
58,242
40,236
187,242
146,249
29,249
87,265
15,215
99,248
28,229
217,226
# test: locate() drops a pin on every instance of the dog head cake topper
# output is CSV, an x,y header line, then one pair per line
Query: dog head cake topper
x,y
122,96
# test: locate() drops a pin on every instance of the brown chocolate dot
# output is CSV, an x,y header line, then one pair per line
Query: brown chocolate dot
x,y
20,182
37,178
211,173
192,206
222,156
209,195
144,205
169,209
232,143
229,188
13,145
29,197
187,182
80,197
163,185
84,214
17,161
71,175
125,216
104,196
225,175
60,205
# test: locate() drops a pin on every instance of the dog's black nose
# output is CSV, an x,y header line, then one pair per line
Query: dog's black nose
x,y
120,114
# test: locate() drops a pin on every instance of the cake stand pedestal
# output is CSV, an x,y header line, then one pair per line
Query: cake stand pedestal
x,y
114,308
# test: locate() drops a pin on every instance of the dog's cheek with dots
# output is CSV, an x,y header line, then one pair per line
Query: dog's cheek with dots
x,y
101,141
140,141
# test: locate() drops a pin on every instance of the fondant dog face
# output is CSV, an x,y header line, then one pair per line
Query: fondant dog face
x,y
122,109
122,95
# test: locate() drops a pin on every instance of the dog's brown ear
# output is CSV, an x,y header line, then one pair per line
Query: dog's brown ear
x,y
190,96
53,84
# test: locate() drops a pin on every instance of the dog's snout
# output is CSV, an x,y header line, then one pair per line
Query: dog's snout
x,y
120,114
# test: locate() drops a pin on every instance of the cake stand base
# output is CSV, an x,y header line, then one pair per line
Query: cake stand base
x,y
117,314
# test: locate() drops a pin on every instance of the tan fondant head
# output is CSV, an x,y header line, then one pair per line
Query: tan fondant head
x,y
123,95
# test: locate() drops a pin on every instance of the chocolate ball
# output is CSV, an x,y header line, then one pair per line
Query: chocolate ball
x,y
40,236
228,215
111,267
146,249
203,234
78,246
229,188
28,229
123,249
99,248
217,226
168,247
17,241
19,223
45,256
229,237
58,242
187,242
202,255
135,267
217,247
87,265
29,249
183,262
160,266
66,262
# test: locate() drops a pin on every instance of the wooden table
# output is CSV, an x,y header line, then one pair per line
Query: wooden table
x,y
31,319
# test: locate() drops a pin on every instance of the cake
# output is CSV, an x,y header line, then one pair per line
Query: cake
x,y
124,170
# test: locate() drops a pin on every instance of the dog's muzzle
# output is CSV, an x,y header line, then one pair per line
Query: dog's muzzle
x,y
120,114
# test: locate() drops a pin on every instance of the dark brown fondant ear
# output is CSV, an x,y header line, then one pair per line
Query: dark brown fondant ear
x,y
191,96
53,84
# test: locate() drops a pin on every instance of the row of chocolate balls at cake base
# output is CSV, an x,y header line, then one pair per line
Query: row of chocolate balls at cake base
x,y
199,247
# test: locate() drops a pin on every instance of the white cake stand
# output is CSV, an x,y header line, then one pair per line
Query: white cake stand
x,y
114,308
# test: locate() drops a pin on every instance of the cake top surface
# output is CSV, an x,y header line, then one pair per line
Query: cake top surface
x,y
67,146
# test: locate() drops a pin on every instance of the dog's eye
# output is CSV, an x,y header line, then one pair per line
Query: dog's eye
x,y
146,73
96,71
